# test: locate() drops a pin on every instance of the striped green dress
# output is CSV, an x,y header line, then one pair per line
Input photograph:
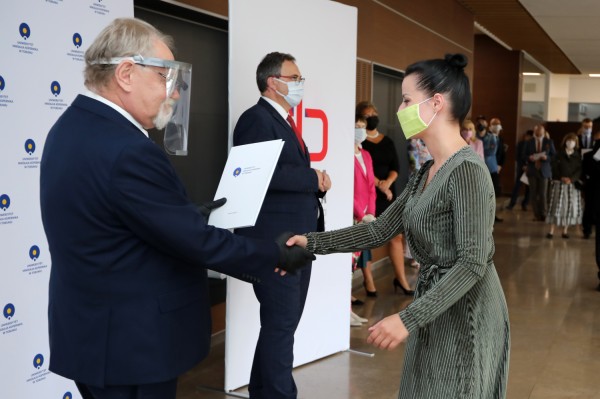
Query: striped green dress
x,y
459,339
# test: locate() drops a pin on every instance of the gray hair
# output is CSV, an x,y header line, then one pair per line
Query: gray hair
x,y
122,38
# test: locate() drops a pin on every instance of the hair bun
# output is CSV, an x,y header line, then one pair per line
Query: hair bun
x,y
456,60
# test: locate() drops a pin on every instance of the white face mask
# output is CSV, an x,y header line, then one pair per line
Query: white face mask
x,y
360,135
570,144
496,128
295,92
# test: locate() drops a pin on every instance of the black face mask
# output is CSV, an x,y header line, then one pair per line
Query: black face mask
x,y
372,122
479,127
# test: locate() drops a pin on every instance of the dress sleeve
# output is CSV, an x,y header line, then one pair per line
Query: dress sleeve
x,y
363,235
472,198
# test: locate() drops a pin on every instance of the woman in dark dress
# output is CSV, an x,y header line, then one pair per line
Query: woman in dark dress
x,y
385,167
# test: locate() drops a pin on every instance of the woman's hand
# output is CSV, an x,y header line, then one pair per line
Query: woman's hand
x,y
384,185
297,240
388,333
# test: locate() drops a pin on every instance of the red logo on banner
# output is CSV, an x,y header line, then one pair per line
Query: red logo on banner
x,y
316,114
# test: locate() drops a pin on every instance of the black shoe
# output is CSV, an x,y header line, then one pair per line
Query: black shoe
x,y
509,207
357,302
372,294
565,236
497,219
586,236
549,236
524,208
398,285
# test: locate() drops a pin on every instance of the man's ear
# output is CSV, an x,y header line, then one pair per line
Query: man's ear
x,y
124,75
271,83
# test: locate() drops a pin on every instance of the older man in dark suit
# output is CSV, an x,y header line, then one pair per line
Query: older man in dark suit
x,y
128,297
291,204
539,153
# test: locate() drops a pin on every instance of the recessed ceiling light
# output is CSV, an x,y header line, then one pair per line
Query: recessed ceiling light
x,y
531,74
594,75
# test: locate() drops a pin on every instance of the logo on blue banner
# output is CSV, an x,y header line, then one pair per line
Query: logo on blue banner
x,y
2,83
29,146
237,171
24,31
9,311
4,202
68,395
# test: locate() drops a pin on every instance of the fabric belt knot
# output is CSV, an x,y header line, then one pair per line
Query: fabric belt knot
x,y
427,277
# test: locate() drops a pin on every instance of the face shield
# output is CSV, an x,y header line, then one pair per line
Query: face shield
x,y
176,108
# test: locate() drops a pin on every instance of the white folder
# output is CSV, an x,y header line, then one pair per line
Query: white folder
x,y
245,180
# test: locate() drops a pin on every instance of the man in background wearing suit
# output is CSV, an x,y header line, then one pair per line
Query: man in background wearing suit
x,y
128,297
291,204
584,134
539,153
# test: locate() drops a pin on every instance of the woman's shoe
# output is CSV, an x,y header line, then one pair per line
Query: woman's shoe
x,y
398,285
357,302
372,294
549,235
565,236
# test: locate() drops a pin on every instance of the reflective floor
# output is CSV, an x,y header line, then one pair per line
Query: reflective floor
x,y
554,309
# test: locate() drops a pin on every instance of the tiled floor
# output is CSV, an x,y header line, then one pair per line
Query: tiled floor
x,y
554,309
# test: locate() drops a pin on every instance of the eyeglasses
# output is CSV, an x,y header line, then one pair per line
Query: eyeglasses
x,y
293,78
171,79
175,69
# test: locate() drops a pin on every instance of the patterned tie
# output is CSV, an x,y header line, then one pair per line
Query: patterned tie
x,y
295,129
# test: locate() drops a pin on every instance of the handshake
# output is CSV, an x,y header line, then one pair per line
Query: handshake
x,y
290,258
294,257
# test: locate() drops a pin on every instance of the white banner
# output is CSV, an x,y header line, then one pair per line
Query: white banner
x,y
321,35
42,45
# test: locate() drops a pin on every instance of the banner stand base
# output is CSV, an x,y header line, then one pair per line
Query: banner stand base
x,y
367,354
233,394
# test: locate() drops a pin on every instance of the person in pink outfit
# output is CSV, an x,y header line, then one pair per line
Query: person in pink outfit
x,y
468,134
364,199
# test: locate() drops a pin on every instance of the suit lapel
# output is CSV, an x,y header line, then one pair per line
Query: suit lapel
x,y
290,135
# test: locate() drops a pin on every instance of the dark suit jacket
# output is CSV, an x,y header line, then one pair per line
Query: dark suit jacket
x,y
128,295
290,203
590,142
591,176
545,167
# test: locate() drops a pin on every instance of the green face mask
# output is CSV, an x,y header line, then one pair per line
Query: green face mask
x,y
411,121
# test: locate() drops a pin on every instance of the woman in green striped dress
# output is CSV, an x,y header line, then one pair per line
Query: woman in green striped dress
x,y
457,327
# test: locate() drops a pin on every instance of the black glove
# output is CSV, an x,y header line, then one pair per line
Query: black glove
x,y
206,207
292,258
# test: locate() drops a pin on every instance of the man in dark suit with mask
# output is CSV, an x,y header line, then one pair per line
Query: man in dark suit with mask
x,y
539,153
291,204
128,295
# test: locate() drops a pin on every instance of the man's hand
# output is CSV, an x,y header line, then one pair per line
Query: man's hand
x,y
292,258
388,333
326,182
206,207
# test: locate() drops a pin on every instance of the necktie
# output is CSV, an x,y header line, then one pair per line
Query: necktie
x,y
539,145
295,129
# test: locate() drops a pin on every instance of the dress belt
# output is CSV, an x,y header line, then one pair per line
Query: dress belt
x,y
427,277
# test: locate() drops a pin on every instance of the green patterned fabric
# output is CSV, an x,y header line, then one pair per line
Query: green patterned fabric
x,y
459,340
